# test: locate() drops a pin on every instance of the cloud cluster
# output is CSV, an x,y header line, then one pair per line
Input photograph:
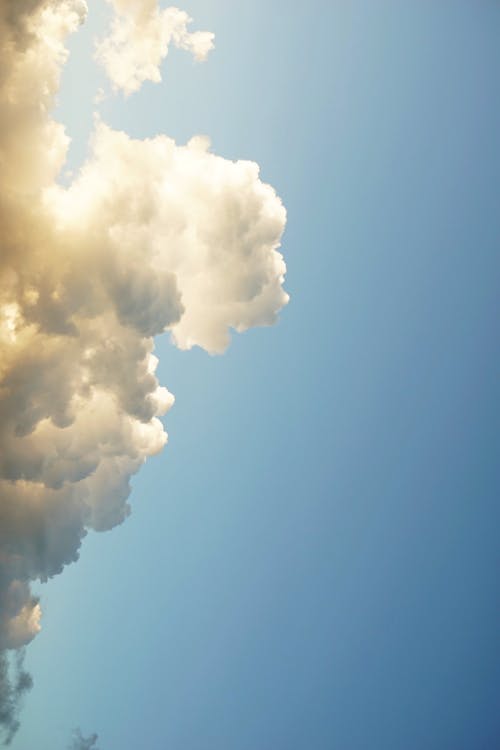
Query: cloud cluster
x,y
150,237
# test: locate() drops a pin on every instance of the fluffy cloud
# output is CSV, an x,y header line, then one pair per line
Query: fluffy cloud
x,y
151,237
139,40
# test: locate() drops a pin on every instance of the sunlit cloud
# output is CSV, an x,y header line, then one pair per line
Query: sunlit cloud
x,y
149,237
139,40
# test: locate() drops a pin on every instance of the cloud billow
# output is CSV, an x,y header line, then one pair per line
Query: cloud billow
x,y
150,237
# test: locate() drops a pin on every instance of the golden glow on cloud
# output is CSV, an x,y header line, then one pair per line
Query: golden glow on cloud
x,y
149,237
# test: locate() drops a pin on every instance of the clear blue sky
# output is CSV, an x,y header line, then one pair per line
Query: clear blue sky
x,y
313,562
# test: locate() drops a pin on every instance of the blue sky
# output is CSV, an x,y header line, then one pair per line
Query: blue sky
x,y
313,560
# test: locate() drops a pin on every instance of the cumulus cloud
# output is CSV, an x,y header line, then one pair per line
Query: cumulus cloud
x,y
150,237
140,37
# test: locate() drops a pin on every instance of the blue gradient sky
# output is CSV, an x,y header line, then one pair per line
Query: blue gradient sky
x,y
312,563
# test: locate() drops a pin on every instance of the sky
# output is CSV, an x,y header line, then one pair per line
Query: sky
x,y
312,561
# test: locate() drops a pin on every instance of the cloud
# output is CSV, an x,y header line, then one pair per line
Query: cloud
x,y
140,37
79,742
14,683
150,237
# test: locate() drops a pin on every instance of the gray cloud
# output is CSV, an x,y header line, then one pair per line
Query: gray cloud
x,y
79,742
14,683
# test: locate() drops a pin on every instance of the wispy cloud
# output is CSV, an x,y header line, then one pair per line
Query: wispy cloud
x,y
79,742
14,683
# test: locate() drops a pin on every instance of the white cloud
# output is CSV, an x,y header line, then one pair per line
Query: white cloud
x,y
140,37
150,237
